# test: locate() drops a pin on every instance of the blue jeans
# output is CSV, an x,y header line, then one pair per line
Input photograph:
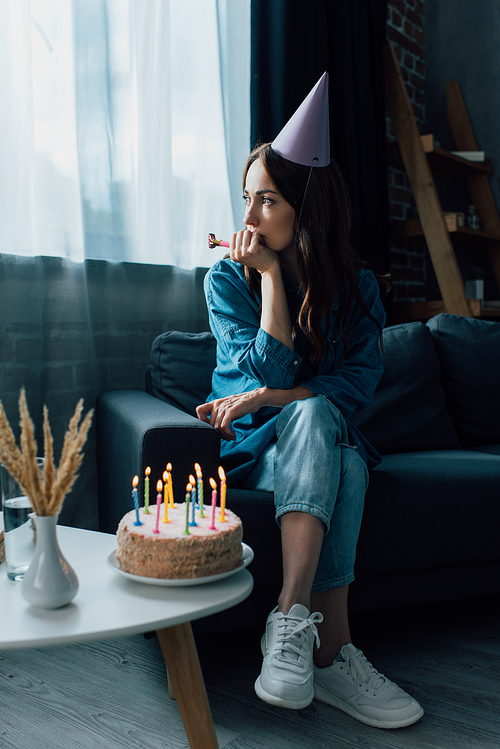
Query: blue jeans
x,y
312,468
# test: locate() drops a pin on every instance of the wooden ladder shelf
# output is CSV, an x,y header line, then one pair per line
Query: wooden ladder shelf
x,y
421,159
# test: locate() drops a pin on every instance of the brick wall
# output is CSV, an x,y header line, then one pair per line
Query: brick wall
x,y
405,23
72,330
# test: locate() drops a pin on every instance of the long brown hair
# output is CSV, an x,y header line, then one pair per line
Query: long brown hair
x,y
326,260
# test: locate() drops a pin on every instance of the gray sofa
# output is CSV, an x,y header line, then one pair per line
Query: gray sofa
x,y
431,526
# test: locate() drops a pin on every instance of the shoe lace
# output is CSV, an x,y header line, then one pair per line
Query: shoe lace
x,y
361,670
292,636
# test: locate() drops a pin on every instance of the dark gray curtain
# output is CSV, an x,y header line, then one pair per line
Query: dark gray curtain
x,y
293,43
72,330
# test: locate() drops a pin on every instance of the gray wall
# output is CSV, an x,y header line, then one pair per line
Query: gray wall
x,y
462,42
70,330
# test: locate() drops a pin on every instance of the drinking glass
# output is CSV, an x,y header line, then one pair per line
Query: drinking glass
x,y
19,529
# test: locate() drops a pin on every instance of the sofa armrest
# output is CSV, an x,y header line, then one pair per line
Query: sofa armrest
x,y
135,430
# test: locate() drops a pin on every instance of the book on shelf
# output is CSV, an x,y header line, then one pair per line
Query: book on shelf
x,y
489,304
470,155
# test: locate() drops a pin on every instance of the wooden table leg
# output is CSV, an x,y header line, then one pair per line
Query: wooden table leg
x,y
171,690
184,673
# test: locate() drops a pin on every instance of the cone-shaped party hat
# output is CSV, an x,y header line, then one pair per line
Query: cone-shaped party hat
x,y
305,139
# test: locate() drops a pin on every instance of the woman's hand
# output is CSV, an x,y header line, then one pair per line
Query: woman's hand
x,y
221,412
246,248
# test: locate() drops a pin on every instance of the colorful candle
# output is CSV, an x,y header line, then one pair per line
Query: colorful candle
x,y
214,503
192,481
165,497
222,476
159,489
193,501
188,497
135,497
170,486
201,488
146,490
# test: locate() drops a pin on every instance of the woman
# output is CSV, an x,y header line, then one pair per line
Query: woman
x,y
298,318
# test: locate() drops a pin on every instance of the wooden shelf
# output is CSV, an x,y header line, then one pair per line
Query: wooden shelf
x,y
410,311
460,235
441,162
421,160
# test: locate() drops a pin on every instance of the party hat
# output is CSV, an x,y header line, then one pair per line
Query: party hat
x,y
305,139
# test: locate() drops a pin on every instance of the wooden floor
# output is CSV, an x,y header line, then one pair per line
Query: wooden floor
x,y
113,695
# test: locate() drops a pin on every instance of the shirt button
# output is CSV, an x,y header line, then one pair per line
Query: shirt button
x,y
296,362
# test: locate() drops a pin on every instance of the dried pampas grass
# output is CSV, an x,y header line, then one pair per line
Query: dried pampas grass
x,y
46,492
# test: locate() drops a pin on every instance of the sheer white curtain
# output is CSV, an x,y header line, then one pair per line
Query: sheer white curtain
x,y
124,127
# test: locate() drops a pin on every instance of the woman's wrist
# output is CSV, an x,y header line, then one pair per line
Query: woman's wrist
x,y
272,269
280,398
275,315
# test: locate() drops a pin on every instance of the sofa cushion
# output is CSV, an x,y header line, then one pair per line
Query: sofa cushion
x,y
430,509
182,366
487,449
469,353
408,411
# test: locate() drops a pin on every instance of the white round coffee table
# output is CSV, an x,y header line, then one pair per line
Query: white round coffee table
x,y
108,605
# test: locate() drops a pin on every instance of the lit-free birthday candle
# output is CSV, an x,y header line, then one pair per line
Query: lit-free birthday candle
x,y
213,242
214,503
159,488
201,488
188,497
146,490
222,476
165,497
135,497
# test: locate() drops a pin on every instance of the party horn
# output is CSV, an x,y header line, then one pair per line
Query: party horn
x,y
213,242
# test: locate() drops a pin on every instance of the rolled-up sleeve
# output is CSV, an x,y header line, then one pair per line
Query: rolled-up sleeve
x,y
235,322
351,384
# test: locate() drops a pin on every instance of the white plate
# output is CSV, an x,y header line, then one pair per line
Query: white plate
x,y
247,556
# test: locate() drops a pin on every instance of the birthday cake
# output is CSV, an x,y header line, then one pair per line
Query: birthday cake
x,y
173,554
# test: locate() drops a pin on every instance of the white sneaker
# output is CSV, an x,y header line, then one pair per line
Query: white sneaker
x,y
353,685
287,672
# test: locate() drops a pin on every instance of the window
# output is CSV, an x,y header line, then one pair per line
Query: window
x,y
125,127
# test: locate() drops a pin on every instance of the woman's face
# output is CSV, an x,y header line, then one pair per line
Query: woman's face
x,y
267,212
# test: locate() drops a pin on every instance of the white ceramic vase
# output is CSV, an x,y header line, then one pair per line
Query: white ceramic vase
x,y
50,581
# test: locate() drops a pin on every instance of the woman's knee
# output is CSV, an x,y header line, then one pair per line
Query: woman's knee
x,y
313,407
311,411
354,470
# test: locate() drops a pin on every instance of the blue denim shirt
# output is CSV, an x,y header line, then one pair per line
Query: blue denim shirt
x,y
248,358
